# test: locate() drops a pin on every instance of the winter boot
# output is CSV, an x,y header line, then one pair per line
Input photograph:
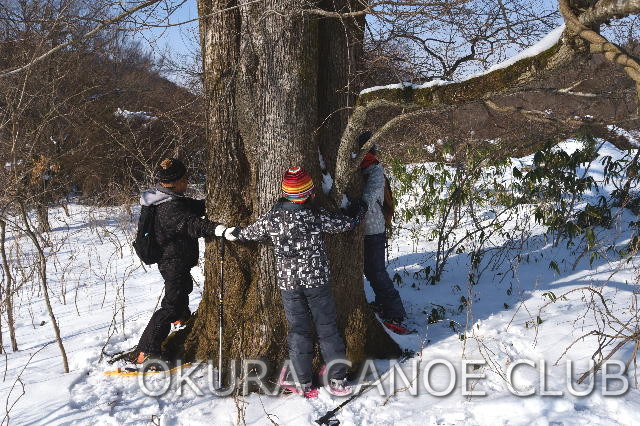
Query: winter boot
x,y
339,387
142,357
152,362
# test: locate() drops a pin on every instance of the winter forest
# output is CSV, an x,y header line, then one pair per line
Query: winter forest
x,y
334,212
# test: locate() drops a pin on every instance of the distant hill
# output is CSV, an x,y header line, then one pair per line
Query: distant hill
x,y
96,120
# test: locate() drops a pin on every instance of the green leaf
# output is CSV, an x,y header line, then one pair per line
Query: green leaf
x,y
517,173
591,238
553,265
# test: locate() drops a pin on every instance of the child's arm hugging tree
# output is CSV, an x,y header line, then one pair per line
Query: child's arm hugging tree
x,y
334,223
257,231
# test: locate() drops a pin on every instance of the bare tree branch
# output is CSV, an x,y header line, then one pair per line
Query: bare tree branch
x,y
605,10
73,42
372,8
600,44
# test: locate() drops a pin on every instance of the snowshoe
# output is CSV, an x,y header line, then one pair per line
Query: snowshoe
x,y
152,362
396,326
141,371
145,364
335,386
304,389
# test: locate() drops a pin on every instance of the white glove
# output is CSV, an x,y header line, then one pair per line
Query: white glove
x,y
229,234
219,231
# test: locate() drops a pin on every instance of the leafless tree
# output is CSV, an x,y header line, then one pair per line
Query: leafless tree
x,y
264,108
280,83
94,116
449,40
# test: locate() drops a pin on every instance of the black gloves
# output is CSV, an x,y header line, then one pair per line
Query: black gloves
x,y
357,209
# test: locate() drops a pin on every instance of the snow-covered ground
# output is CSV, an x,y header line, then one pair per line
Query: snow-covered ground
x,y
95,274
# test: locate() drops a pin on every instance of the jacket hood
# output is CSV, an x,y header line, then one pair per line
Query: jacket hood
x,y
155,196
288,205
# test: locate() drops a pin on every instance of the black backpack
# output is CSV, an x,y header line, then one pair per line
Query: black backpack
x,y
145,244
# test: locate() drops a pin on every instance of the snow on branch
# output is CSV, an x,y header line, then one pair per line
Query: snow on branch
x,y
414,98
547,42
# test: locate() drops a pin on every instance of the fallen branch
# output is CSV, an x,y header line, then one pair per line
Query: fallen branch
x,y
608,319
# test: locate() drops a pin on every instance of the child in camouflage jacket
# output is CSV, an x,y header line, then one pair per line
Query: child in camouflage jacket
x,y
296,228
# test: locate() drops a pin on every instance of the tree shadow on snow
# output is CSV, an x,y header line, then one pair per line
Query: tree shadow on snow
x,y
509,277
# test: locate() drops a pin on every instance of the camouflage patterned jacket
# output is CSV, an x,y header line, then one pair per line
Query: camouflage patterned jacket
x,y
297,233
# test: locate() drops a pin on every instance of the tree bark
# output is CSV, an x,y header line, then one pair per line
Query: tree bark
x,y
604,10
271,81
278,84
42,211
340,50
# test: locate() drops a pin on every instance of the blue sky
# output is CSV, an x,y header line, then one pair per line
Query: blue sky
x,y
181,42
174,37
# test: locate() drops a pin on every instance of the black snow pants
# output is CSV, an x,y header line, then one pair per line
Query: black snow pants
x,y
304,308
178,284
376,272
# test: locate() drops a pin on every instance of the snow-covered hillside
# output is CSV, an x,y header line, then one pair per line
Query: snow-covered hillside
x,y
97,283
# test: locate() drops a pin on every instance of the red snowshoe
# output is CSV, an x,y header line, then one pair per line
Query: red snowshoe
x,y
303,389
395,325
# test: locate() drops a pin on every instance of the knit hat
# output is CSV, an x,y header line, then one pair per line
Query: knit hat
x,y
297,185
171,170
363,138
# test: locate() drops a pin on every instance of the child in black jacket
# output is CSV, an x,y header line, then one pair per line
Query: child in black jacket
x,y
178,225
296,228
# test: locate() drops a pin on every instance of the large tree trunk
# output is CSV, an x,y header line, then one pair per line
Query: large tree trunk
x,y
340,50
270,81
